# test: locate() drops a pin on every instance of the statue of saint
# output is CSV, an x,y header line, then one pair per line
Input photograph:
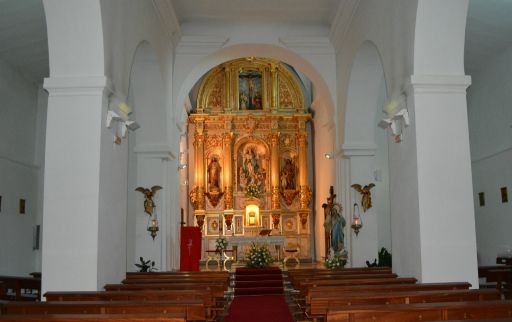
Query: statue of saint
x,y
288,175
334,224
214,169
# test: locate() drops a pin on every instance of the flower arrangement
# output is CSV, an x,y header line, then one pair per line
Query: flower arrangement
x,y
336,260
253,191
259,256
221,244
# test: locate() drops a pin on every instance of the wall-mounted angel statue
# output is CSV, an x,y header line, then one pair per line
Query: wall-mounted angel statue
x,y
366,196
148,198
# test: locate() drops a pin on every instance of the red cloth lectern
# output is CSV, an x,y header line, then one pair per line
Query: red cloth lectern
x,y
190,253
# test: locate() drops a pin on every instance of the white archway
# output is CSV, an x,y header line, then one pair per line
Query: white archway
x,y
149,164
322,106
363,156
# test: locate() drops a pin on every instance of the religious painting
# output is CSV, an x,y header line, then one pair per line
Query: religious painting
x,y
214,174
504,194
249,90
22,206
252,169
481,199
239,229
212,225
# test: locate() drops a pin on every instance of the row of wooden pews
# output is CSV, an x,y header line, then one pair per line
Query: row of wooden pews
x,y
170,296
20,288
376,294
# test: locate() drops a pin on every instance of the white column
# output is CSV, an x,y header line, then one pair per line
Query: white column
x,y
364,246
84,189
445,195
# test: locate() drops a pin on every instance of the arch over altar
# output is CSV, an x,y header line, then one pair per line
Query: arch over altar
x,y
248,135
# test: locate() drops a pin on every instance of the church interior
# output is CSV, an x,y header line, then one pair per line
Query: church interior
x,y
141,136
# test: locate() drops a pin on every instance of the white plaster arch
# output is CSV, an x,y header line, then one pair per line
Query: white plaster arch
x,y
323,98
366,77
366,94
323,107
150,162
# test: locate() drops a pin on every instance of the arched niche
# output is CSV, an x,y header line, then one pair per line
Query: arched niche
x,y
366,155
150,163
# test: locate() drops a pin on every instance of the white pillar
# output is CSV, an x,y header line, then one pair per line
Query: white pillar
x,y
445,193
84,189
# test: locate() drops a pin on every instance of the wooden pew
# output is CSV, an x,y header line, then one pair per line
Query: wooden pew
x,y
130,275
349,269
20,288
421,311
194,310
304,286
177,279
320,304
167,317
382,288
499,274
3,294
140,295
216,288
296,281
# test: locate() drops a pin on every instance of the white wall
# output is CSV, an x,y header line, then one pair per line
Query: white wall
x,y
389,25
490,121
145,80
19,171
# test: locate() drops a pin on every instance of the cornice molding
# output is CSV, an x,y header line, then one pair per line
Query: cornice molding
x,y
198,44
440,83
358,149
168,20
156,151
77,85
342,21
308,44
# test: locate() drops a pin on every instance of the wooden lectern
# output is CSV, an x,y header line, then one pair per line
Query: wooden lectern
x,y
190,250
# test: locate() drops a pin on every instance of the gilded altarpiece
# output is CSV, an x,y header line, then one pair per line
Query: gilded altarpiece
x,y
250,148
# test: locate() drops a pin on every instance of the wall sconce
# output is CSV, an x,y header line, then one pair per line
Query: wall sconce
x,y
149,208
153,225
357,224
182,166
398,116
118,116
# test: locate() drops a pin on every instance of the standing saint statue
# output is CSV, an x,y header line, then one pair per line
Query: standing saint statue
x,y
214,169
334,224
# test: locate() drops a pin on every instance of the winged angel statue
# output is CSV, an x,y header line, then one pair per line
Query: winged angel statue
x,y
148,198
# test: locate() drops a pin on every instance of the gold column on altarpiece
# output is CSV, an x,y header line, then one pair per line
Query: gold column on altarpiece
x,y
228,176
197,193
274,171
304,190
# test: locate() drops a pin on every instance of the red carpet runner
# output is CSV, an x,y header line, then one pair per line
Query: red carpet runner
x,y
259,297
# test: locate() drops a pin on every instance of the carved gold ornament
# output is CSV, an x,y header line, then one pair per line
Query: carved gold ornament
x,y
305,197
214,197
289,196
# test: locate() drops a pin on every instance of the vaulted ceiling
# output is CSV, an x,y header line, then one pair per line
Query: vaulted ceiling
x,y
24,45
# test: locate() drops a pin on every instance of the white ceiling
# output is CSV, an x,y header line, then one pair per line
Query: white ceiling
x,y
23,40
305,11
488,31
